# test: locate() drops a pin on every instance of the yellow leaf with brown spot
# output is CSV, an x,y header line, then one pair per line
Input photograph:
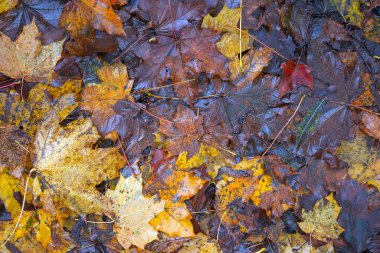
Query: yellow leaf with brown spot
x,y
321,222
81,17
174,221
133,212
42,98
27,58
350,10
227,21
9,186
6,5
264,185
65,157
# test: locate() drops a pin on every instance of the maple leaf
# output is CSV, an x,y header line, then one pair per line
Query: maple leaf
x,y
27,58
133,212
13,151
82,16
174,221
168,182
185,134
226,21
65,157
294,74
174,49
277,200
44,12
322,222
42,98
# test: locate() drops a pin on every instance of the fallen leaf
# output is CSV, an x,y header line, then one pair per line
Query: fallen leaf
x,y
6,5
227,22
174,221
366,98
42,98
169,183
27,58
200,243
350,10
321,223
65,157
184,134
372,29
45,13
9,186
277,200
133,212
370,124
13,148
82,16
294,74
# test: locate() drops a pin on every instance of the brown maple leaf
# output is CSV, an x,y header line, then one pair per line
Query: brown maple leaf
x,y
274,200
173,48
185,134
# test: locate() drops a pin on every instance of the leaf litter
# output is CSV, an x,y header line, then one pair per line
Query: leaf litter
x,y
189,126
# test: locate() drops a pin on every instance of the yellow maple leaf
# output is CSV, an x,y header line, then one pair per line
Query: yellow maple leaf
x,y
65,157
174,221
133,212
321,222
226,21
26,58
361,159
42,98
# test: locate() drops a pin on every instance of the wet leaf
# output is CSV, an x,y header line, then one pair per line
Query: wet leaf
x,y
350,10
6,5
294,74
370,124
202,244
133,212
65,157
321,223
27,58
9,186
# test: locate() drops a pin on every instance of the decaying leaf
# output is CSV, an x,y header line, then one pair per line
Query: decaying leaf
x,y
6,5
201,244
370,123
174,221
9,186
277,200
350,10
322,222
288,243
42,98
133,212
27,58
82,16
65,157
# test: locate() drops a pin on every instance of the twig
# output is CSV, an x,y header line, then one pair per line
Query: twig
x,y
265,45
161,87
22,210
148,112
220,223
355,106
283,128
125,157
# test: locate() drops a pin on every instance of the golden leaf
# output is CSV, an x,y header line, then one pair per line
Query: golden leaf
x,y
321,222
200,243
64,155
133,212
350,10
6,5
27,58
9,186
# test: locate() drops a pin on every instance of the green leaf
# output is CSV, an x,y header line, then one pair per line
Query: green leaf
x,y
309,123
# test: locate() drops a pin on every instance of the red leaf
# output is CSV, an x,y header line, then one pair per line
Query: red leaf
x,y
294,74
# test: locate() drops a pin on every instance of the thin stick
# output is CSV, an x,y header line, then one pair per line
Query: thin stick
x,y
283,128
355,106
148,112
220,223
22,210
163,86
125,157
9,85
240,46
265,45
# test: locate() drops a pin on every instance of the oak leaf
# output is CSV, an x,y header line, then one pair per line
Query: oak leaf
x,y
294,74
82,16
27,58
322,222
133,212
65,157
